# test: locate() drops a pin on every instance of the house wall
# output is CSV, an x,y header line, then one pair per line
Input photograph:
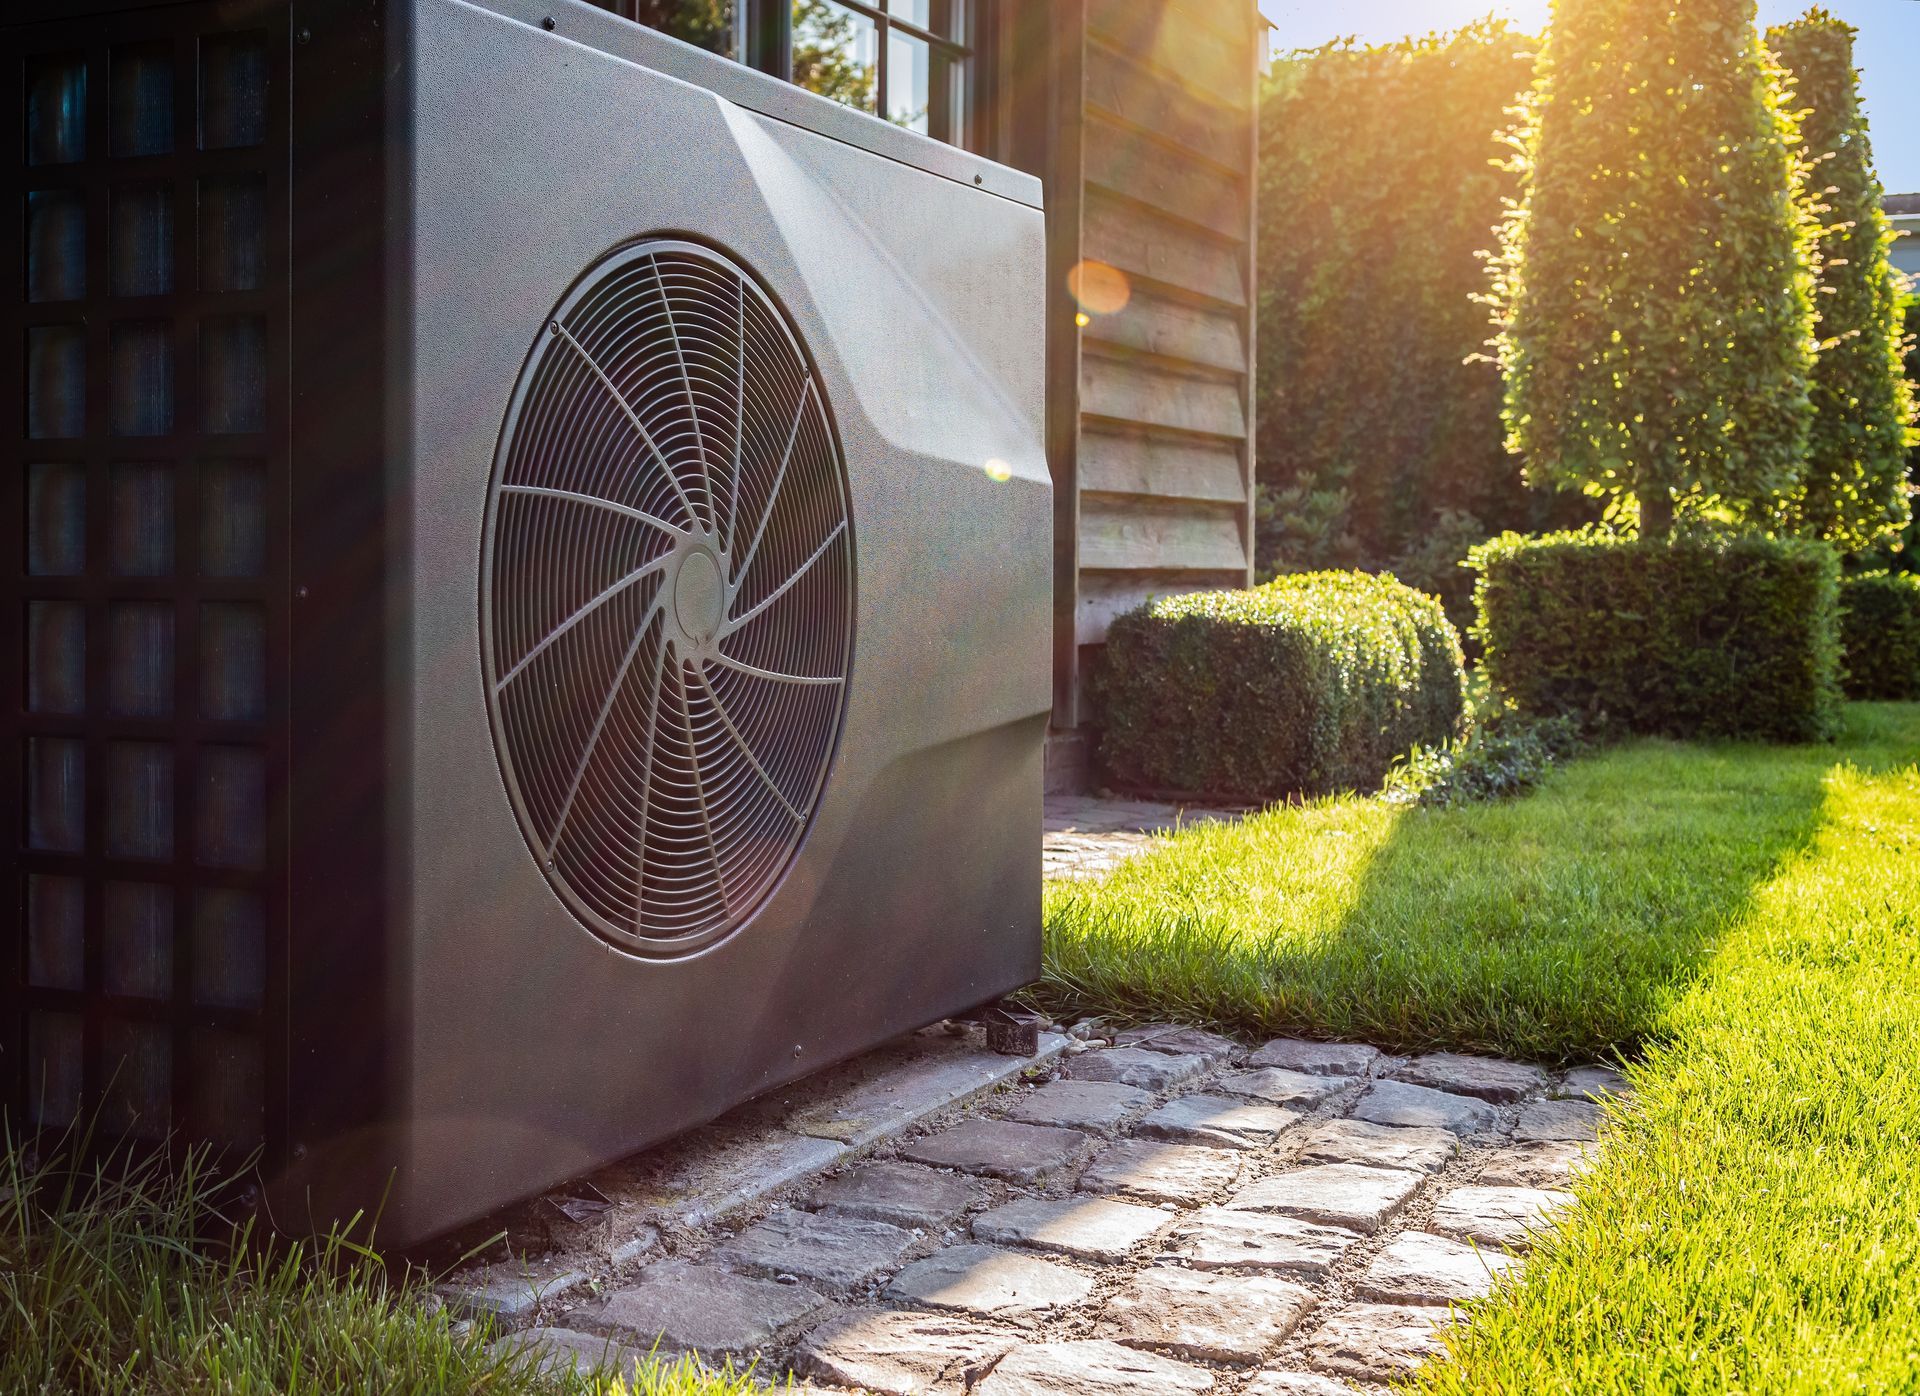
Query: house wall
x,y
1146,138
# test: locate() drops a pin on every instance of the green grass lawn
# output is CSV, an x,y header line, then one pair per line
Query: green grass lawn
x,y
1743,921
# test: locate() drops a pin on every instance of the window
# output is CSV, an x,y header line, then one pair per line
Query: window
x,y
910,61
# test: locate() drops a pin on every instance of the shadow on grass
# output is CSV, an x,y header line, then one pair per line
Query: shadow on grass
x,y
1560,926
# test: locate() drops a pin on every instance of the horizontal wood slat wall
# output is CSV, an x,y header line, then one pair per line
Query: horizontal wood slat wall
x,y
1162,462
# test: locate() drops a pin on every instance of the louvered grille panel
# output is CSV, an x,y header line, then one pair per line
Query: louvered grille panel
x,y
143,573
668,597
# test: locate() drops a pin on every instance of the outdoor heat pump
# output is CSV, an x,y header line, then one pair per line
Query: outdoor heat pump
x,y
528,555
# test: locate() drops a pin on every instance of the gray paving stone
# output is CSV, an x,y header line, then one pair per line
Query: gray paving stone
x,y
1215,1238
1179,1041
898,1193
1278,1086
1378,1146
1498,1216
1338,1194
1399,1103
903,1354
509,1293
1197,1313
1296,1384
989,1282
1535,1166
1136,1066
1317,1058
930,1076
1100,1106
838,1252
1421,1268
1000,1149
1092,1228
1490,1078
1091,1367
1376,1342
1220,1121
702,1308
1558,1121
1592,1083
1186,1174
559,1351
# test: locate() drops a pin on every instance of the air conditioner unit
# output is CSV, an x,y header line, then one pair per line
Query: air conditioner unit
x,y
528,553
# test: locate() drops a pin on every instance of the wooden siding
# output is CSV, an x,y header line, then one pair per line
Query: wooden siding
x,y
1162,462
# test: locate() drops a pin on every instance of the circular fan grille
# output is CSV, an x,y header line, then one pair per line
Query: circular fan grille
x,y
667,597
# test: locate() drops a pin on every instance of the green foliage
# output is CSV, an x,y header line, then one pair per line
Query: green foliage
x,y
1653,287
1699,636
1505,755
1380,187
705,24
1313,682
1854,491
825,54
119,1279
1880,634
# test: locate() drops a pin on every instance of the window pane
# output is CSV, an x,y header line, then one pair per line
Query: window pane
x,y
706,24
909,82
836,53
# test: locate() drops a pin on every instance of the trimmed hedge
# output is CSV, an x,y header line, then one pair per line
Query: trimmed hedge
x,y
1880,635
1315,682
1698,637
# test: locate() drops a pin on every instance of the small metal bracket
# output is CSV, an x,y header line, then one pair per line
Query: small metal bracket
x,y
1012,1032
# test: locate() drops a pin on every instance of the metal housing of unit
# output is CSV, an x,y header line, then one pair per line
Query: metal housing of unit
x,y
282,274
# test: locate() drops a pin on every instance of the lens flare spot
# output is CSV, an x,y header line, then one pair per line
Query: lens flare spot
x,y
998,469
1100,289
1082,319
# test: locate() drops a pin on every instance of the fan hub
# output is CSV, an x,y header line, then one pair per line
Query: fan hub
x,y
699,595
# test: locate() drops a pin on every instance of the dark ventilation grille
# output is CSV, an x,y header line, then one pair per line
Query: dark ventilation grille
x,y
667,596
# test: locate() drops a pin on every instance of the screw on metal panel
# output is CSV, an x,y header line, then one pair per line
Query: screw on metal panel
x,y
300,593
299,1152
305,36
979,179
796,1049
547,23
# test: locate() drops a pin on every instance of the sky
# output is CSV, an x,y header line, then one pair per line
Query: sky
x,y
1886,51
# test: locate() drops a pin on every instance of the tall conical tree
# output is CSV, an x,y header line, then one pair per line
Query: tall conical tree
x,y
1854,492
1653,288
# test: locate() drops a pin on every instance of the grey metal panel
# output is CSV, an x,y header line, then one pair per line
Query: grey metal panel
x,y
535,1049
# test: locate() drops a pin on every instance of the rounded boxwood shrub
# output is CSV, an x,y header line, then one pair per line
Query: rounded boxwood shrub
x,y
1700,636
1880,635
1315,682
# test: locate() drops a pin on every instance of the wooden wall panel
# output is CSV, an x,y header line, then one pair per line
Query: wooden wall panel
x,y
1160,535
1103,595
1149,395
1145,244
1179,40
1133,93
1171,181
1116,461
1155,323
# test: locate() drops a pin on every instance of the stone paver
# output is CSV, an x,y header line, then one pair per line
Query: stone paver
x,y
689,1308
1214,1317
1378,1146
1376,1342
837,1252
1178,1041
1421,1268
509,1293
1000,1149
1487,1077
1535,1165
1278,1086
903,1354
989,1282
1091,1367
898,1193
1317,1058
1558,1121
1497,1216
1186,1174
1296,1384
1399,1103
1338,1194
1218,1121
1092,1228
558,1351
1100,1106
1591,1082
1136,1066
1215,1238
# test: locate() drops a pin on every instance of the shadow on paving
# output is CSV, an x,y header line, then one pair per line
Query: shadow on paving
x,y
1556,927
